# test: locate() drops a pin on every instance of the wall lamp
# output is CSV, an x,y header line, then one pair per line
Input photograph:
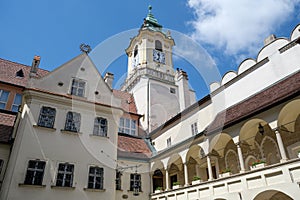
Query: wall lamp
x,y
261,129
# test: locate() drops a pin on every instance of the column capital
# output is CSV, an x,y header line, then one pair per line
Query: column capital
x,y
238,143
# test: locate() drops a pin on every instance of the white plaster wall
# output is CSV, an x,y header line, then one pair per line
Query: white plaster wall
x,y
182,130
163,104
55,146
82,68
4,155
279,66
128,167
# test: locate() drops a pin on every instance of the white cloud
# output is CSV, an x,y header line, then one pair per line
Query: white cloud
x,y
238,26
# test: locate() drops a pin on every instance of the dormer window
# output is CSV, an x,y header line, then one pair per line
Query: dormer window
x,y
78,87
158,45
20,73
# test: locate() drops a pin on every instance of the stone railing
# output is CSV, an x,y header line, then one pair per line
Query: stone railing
x,y
283,177
152,73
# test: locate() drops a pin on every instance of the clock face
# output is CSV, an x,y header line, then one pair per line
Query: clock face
x,y
159,56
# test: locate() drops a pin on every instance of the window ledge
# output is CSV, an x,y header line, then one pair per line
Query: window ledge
x,y
74,96
62,187
69,132
31,186
93,190
99,136
45,128
133,191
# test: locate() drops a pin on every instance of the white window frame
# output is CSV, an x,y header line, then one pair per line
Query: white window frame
x,y
35,170
76,87
65,173
44,116
118,180
94,176
75,127
194,128
15,106
169,142
4,101
99,128
136,179
128,126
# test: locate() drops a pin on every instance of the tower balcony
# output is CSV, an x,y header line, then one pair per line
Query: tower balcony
x,y
134,78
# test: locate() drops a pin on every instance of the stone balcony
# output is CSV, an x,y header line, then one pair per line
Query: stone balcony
x,y
281,180
151,73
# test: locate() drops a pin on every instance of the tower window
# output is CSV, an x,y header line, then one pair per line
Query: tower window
x,y
158,45
135,51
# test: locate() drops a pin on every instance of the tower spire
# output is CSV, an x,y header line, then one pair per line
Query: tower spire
x,y
150,21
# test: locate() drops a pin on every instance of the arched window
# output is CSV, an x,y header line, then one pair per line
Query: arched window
x,y
158,45
135,51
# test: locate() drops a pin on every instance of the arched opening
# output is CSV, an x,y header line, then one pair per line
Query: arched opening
x,y
135,53
158,175
289,128
272,195
157,178
158,45
196,164
175,169
258,143
224,149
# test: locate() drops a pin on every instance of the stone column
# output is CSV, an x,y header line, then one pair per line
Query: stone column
x,y
186,175
197,170
167,180
280,146
240,154
210,174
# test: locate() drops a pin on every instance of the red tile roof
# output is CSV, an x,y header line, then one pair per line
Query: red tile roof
x,y
127,101
268,97
133,145
6,126
8,70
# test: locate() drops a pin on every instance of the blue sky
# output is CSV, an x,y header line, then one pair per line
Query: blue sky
x,y
229,31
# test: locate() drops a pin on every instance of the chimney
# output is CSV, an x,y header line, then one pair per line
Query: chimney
x,y
269,39
181,80
108,79
35,65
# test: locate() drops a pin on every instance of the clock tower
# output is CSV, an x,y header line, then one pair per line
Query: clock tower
x,y
151,77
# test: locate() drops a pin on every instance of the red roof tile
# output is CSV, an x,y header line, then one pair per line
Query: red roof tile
x,y
6,126
8,70
258,102
127,101
133,145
